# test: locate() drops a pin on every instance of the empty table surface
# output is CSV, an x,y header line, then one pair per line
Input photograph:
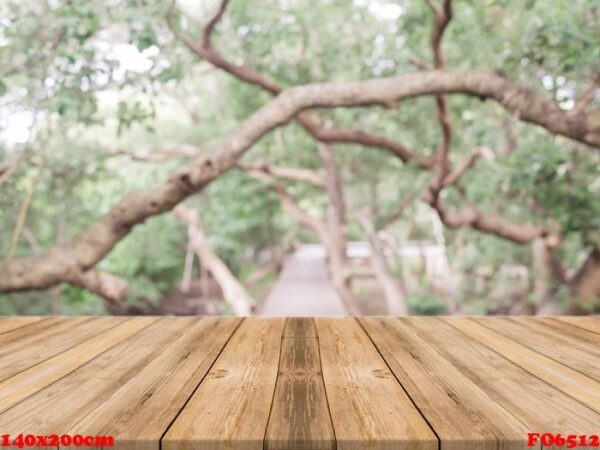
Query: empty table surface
x,y
301,383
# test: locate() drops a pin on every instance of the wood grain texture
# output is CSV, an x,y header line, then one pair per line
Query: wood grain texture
x,y
572,382
566,329
463,415
536,403
297,327
369,409
28,382
37,347
299,417
230,409
18,337
80,392
8,323
533,402
301,383
571,352
141,409
587,323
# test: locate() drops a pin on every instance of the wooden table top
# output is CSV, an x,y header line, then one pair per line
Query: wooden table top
x,y
228,383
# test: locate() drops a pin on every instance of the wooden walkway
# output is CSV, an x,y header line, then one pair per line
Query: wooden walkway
x,y
302,288
369,383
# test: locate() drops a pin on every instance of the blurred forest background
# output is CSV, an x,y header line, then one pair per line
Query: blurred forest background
x,y
452,204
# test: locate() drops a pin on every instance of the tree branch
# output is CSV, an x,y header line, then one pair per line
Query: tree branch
x,y
386,221
585,284
289,173
311,123
7,169
331,231
180,151
234,292
520,233
392,288
338,135
457,173
468,215
23,210
92,245
107,286
442,17
521,101
333,186
291,207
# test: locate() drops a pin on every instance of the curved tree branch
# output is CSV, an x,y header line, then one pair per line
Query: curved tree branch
x,y
456,174
311,123
442,16
7,169
583,127
234,292
399,210
179,151
304,175
92,245
23,210
291,206
107,286
468,215
331,231
520,233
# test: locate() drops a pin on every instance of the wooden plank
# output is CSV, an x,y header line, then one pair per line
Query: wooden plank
x,y
299,414
369,408
8,323
474,387
35,348
564,379
297,327
231,407
534,402
587,323
29,381
578,355
79,393
28,337
463,415
140,411
18,337
566,329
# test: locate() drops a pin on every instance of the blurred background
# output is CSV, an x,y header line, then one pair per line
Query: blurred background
x,y
99,99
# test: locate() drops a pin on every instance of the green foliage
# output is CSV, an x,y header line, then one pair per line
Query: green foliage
x,y
423,303
101,77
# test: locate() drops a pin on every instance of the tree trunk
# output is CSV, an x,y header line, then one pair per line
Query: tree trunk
x,y
543,286
336,242
586,282
188,264
542,270
205,290
234,292
392,287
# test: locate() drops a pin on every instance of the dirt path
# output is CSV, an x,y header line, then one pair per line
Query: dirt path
x,y
302,288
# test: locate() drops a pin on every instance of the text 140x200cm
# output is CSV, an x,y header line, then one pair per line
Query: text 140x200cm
x,y
54,440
